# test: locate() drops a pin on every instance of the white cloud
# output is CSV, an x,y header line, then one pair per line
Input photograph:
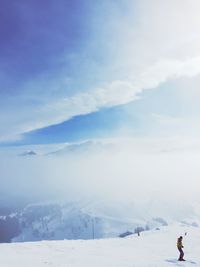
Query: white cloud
x,y
161,43
120,92
116,93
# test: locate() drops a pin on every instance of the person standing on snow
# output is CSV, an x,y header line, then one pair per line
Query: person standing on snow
x,y
180,248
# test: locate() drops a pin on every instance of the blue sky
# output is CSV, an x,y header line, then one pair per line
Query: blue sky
x,y
74,70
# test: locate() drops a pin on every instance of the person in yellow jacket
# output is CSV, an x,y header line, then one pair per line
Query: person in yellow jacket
x,y
180,248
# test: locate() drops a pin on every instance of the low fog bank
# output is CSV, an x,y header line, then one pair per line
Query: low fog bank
x,y
159,180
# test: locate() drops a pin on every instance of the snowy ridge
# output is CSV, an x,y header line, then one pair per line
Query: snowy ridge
x,y
28,153
73,220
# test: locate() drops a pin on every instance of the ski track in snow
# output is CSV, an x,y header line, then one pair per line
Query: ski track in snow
x,y
155,248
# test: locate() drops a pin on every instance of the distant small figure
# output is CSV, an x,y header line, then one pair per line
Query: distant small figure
x,y
180,248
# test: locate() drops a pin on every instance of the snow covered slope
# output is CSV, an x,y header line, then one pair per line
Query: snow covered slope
x,y
156,248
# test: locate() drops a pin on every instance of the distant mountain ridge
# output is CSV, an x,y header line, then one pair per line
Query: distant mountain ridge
x,y
88,146
73,220
85,147
28,153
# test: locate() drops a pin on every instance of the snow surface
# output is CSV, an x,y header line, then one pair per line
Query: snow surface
x,y
156,248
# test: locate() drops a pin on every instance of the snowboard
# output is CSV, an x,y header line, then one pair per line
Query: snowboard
x,y
180,263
